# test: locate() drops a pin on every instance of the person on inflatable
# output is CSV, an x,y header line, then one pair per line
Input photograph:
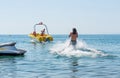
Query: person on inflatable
x,y
43,32
34,33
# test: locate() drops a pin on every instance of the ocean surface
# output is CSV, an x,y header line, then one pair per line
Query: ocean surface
x,y
94,56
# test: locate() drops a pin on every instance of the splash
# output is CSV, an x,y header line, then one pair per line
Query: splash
x,y
80,50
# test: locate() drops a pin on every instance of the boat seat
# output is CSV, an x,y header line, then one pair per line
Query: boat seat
x,y
8,44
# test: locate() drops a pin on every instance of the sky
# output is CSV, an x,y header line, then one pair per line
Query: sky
x,y
60,16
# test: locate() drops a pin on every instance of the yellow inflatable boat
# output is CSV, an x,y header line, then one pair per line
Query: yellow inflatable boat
x,y
41,37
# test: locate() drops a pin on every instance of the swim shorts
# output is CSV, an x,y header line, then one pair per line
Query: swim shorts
x,y
73,42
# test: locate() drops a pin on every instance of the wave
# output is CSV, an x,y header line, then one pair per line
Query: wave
x,y
79,50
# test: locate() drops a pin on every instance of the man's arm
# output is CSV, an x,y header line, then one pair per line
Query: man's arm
x,y
69,34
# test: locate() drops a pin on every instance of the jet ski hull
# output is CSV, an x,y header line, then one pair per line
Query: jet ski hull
x,y
10,49
12,53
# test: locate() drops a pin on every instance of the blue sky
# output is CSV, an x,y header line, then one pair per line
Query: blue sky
x,y
88,16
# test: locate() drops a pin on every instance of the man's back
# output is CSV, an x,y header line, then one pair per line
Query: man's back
x,y
73,36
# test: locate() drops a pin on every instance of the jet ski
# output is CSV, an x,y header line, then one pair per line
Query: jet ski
x,y
10,49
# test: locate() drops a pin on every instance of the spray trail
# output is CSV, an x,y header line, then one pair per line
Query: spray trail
x,y
79,50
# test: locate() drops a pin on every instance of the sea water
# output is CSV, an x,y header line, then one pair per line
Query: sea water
x,y
94,56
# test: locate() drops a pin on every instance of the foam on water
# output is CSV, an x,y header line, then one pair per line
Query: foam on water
x,y
80,50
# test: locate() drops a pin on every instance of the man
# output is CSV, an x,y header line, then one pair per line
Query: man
x,y
42,32
73,36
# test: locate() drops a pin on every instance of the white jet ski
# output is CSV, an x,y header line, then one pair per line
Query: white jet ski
x,y
10,49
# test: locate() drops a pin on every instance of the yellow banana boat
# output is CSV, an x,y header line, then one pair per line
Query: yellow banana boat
x,y
41,37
